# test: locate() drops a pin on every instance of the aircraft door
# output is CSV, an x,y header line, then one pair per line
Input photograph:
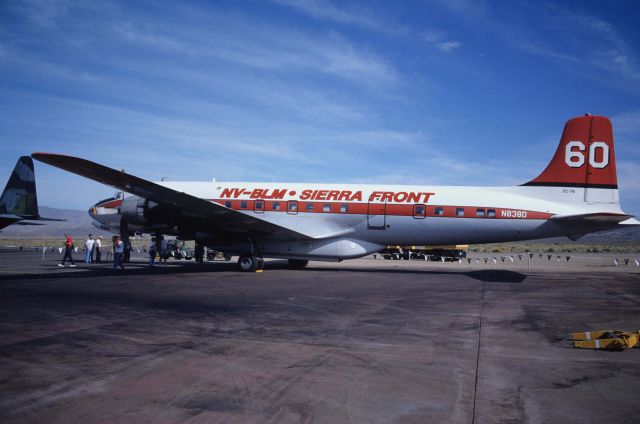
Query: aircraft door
x,y
376,215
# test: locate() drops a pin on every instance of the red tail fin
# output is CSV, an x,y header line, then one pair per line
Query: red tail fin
x,y
585,156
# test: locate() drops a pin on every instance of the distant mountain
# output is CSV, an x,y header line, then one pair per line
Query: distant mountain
x,y
78,224
631,234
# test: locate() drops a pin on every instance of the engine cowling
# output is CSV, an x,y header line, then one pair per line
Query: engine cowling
x,y
141,211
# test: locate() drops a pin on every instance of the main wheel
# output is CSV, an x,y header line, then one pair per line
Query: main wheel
x,y
247,263
260,263
298,263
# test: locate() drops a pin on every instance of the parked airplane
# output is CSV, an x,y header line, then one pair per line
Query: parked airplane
x,y
576,194
19,202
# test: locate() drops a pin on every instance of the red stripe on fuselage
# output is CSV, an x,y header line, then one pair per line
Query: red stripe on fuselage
x,y
444,211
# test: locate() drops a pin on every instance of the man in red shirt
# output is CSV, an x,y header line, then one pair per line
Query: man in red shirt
x,y
68,251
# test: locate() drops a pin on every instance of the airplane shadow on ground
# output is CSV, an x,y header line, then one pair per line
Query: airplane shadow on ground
x,y
84,271
487,275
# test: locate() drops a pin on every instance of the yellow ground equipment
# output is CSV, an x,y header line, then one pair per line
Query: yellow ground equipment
x,y
605,339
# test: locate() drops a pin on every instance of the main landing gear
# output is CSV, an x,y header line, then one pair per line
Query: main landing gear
x,y
250,263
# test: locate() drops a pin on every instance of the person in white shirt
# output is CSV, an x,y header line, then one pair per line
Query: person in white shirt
x,y
97,245
88,245
118,252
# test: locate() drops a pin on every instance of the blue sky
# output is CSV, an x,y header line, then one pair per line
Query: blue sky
x,y
417,92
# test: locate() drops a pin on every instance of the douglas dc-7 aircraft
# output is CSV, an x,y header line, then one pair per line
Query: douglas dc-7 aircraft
x,y
576,194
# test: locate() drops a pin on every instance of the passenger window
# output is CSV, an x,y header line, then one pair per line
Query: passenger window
x,y
258,206
459,211
326,207
491,213
243,204
344,207
419,211
227,203
275,206
438,211
292,207
309,207
479,212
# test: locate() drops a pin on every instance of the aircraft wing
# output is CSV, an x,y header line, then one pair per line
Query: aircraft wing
x,y
217,216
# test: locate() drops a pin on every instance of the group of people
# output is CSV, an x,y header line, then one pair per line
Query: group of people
x,y
93,246
158,247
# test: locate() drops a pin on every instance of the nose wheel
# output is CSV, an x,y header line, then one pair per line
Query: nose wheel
x,y
250,263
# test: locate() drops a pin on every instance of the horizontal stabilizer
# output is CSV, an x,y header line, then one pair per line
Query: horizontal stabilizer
x,y
43,218
9,216
593,218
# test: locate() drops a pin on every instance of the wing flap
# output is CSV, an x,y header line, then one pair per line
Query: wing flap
x,y
217,216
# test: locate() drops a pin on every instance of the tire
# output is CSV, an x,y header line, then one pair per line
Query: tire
x,y
298,263
247,263
260,263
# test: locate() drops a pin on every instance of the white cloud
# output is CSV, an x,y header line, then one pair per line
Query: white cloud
x,y
438,39
327,10
256,45
597,43
44,14
447,46
542,50
129,32
354,16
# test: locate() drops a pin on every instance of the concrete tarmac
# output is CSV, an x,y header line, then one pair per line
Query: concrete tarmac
x,y
361,341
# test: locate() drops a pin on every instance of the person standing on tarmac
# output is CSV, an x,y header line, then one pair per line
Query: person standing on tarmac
x,y
88,245
97,245
68,251
163,250
199,253
152,252
118,252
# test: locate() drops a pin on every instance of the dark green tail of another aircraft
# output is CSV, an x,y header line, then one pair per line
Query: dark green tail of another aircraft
x,y
19,196
19,200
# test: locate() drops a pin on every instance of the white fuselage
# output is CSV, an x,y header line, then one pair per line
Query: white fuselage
x,y
343,221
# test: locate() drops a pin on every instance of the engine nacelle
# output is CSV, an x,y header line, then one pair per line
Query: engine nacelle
x,y
141,211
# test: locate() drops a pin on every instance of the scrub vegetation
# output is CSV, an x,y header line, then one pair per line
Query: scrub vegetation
x,y
568,247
